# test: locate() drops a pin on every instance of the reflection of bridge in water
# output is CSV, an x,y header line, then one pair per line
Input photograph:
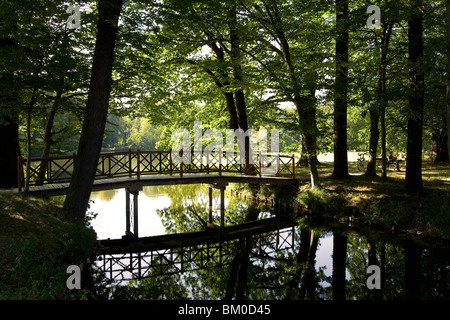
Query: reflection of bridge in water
x,y
138,258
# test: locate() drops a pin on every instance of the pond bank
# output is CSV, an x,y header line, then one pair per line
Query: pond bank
x,y
363,201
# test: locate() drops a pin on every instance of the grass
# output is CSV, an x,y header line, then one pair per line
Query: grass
x,y
374,201
37,246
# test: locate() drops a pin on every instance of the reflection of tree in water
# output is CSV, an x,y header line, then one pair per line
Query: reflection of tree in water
x,y
406,271
105,195
152,192
188,210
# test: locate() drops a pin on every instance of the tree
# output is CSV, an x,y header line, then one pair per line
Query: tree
x,y
9,127
96,113
378,111
340,92
293,67
413,179
448,79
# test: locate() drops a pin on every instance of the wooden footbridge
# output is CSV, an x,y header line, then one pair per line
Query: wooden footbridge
x,y
135,169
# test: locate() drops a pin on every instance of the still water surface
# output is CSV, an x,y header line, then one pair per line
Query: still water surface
x,y
305,271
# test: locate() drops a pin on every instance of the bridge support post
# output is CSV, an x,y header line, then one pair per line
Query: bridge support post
x,y
127,213
210,197
222,206
221,186
132,218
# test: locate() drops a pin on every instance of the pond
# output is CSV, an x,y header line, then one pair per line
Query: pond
x,y
317,261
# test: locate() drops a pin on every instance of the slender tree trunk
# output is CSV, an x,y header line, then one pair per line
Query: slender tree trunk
x,y
340,92
307,120
300,262
229,96
96,112
383,145
413,179
373,143
231,107
239,96
305,105
372,250
9,137
9,129
387,31
33,100
309,278
439,145
448,80
413,260
378,113
339,265
239,265
48,138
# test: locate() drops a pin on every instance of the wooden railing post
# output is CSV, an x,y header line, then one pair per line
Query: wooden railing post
x,y
130,166
48,168
181,162
259,163
293,166
19,173
170,162
138,167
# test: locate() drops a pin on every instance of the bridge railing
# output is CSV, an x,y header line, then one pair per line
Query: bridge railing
x,y
140,163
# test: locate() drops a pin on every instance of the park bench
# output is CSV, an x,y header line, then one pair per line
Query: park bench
x,y
392,163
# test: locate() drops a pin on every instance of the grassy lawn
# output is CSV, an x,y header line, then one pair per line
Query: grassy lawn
x,y
371,200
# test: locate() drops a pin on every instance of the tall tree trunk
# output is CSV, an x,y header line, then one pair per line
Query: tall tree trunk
x,y
96,112
305,105
340,92
237,281
448,80
223,86
413,260
387,31
379,111
309,130
309,278
31,104
339,265
383,144
9,129
9,137
239,96
413,179
48,138
231,107
373,143
439,145
372,250
300,263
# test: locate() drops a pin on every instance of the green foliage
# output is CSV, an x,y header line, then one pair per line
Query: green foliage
x,y
37,247
158,288
41,273
315,200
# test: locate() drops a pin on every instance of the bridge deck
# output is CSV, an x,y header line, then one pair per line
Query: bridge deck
x,y
154,180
